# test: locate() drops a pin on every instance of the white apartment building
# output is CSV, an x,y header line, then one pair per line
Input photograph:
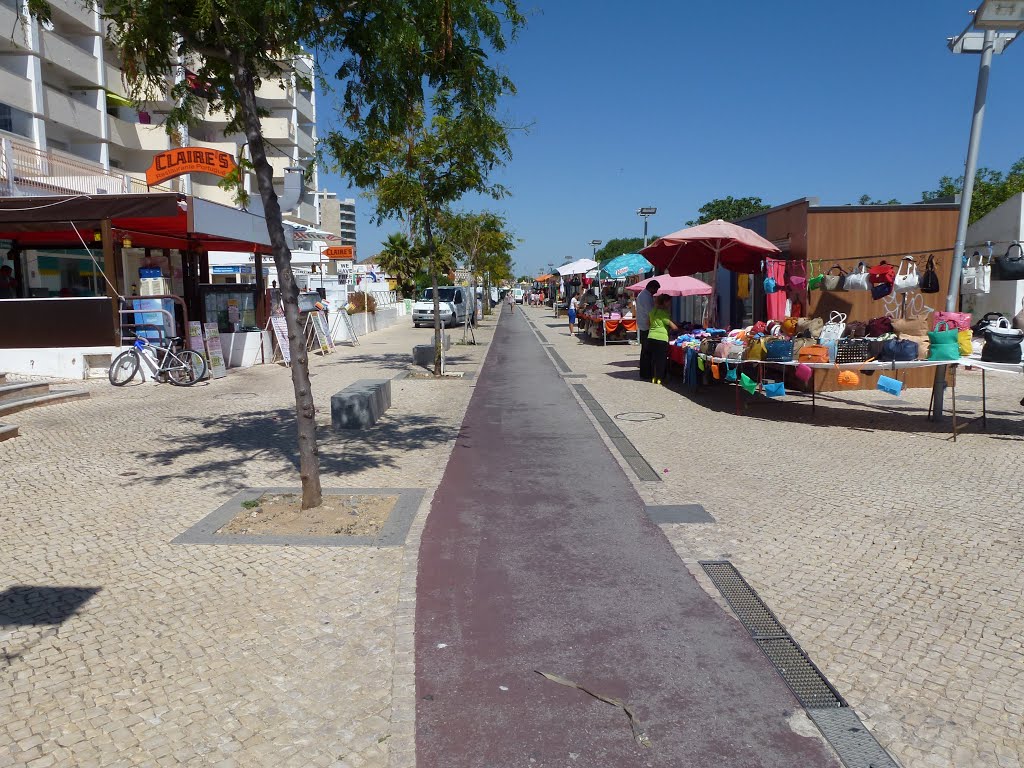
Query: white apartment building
x,y
67,126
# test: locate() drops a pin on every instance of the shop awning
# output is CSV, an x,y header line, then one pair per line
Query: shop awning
x,y
157,220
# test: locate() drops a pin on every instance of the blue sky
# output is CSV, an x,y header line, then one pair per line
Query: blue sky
x,y
672,104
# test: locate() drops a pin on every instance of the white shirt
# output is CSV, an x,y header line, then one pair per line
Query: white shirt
x,y
644,305
575,303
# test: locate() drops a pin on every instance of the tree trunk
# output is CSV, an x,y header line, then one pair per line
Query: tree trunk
x,y
305,412
487,293
432,260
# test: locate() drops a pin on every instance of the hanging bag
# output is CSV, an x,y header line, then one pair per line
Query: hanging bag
x,y
930,278
858,279
770,286
880,290
1010,266
774,389
816,282
884,272
976,276
833,330
835,279
907,277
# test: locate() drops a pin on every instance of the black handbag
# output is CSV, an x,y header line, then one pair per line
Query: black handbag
x,y
898,351
880,290
990,318
930,278
852,351
1009,266
1002,347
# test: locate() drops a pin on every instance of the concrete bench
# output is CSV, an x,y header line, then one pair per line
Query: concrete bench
x,y
423,354
360,404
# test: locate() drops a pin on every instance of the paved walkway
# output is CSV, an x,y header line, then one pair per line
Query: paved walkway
x,y
537,556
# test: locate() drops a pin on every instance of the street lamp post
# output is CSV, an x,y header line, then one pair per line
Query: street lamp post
x,y
646,213
595,244
994,18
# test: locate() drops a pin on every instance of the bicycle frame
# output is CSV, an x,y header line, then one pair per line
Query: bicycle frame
x,y
156,360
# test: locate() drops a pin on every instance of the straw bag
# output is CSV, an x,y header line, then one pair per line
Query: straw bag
x,y
809,327
911,326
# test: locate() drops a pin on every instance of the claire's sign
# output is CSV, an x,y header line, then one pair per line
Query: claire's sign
x,y
340,252
176,162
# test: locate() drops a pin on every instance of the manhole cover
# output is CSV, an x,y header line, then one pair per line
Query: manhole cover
x,y
639,416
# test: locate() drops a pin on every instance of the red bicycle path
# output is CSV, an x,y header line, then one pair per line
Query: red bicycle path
x,y
537,555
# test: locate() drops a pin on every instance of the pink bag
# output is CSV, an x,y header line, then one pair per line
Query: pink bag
x,y
722,350
959,320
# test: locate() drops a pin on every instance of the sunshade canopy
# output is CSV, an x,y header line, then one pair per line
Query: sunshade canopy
x,y
674,286
156,220
626,265
702,248
578,267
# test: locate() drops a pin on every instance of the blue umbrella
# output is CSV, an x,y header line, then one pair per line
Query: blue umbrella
x,y
626,265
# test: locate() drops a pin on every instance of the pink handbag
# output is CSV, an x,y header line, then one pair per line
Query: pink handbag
x,y
722,349
959,320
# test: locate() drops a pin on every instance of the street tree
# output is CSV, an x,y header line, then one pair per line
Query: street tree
x,y
728,209
453,139
620,245
867,200
991,189
483,243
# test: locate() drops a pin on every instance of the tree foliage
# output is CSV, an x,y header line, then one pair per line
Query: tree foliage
x,y
728,209
867,200
991,189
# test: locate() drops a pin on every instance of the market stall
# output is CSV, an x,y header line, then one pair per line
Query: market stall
x,y
609,317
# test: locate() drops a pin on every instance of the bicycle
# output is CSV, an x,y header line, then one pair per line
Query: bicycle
x,y
182,368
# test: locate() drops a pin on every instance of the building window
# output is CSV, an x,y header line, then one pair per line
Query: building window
x,y
13,120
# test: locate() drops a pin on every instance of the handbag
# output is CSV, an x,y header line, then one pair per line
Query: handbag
x,y
779,351
1002,347
930,278
756,350
833,281
851,351
731,374
944,344
976,276
848,379
856,329
770,286
908,280
835,327
991,318
898,351
922,344
858,279
911,326
890,385
882,273
809,327
815,283
789,325
1009,266
797,283
774,389
880,326
748,384
722,349
963,340
959,320
880,290
813,353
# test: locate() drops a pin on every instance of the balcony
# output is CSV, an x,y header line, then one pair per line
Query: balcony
x,y
305,106
16,91
305,141
15,33
279,130
74,10
47,173
72,114
150,138
272,94
79,66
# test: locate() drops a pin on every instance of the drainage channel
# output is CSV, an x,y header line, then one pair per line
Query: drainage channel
x,y
626,449
838,723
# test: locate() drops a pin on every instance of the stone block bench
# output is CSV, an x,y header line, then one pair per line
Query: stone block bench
x,y
423,354
360,404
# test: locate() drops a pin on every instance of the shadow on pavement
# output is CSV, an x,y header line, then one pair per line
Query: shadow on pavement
x,y
31,606
219,448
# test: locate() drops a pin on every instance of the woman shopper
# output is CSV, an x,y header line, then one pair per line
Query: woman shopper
x,y
574,307
657,337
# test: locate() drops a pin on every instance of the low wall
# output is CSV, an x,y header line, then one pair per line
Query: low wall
x,y
58,362
364,323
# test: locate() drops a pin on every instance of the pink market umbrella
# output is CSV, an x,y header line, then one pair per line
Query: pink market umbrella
x,y
674,286
706,247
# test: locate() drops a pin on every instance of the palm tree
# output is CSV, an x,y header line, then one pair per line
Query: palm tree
x,y
401,260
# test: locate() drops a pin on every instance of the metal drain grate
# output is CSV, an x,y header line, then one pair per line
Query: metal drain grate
x,y
800,674
751,610
855,745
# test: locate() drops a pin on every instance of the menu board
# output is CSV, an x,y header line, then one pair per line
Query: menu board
x,y
214,352
280,326
322,332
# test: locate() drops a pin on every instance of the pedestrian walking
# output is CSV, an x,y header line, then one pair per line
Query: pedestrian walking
x,y
659,322
574,306
644,305
511,302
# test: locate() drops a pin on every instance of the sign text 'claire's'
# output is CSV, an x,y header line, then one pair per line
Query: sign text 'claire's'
x,y
177,162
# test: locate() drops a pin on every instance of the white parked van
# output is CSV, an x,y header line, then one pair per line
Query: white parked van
x,y
517,295
454,304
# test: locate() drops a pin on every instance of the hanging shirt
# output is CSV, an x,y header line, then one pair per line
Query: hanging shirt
x,y
644,305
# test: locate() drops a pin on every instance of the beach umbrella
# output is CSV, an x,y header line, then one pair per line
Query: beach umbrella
x,y
578,267
626,265
674,286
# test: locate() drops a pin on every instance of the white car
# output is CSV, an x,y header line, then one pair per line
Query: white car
x,y
453,306
517,295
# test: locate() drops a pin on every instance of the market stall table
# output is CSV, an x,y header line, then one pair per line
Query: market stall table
x,y
610,326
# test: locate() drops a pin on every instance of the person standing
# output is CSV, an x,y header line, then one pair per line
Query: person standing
x,y
659,321
8,285
644,305
574,307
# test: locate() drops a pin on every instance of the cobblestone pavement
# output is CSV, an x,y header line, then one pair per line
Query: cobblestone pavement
x,y
892,554
122,649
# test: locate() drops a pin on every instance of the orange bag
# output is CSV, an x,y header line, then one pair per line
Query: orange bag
x,y
813,353
848,379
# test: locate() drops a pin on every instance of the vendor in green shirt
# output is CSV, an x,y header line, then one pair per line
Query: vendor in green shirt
x,y
661,323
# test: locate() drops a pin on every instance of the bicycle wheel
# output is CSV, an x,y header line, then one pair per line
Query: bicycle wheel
x,y
123,368
185,368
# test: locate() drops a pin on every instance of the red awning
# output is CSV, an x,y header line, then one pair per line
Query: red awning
x,y
155,220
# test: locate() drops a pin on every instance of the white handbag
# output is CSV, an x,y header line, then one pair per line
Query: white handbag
x,y
976,276
858,279
833,329
910,279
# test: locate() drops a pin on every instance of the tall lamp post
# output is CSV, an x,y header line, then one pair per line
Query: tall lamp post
x,y
595,244
1000,22
646,213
